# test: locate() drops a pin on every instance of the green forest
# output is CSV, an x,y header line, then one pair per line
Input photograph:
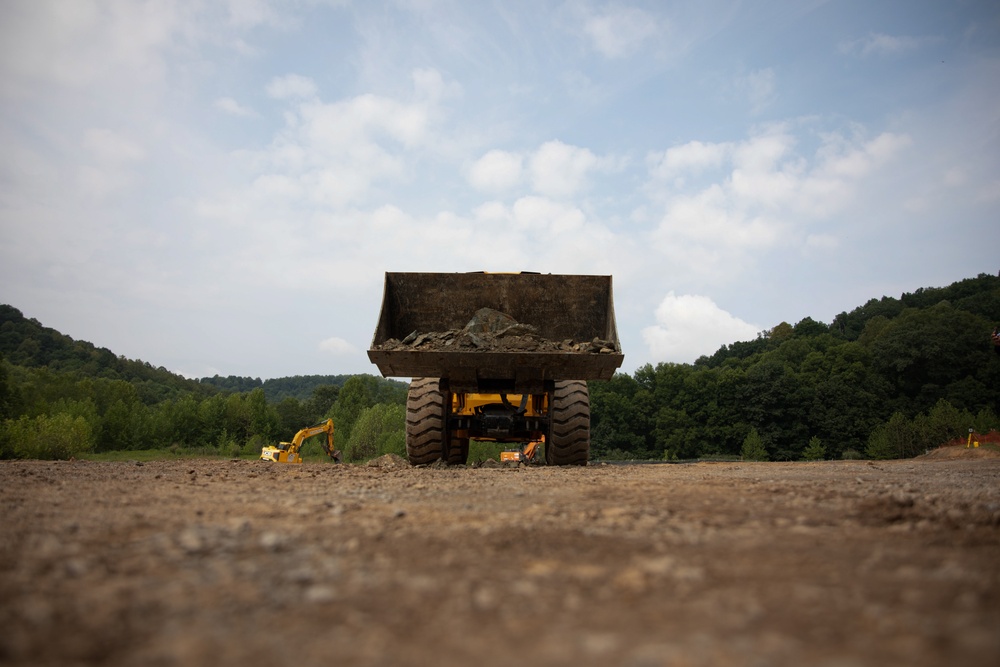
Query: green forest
x,y
890,379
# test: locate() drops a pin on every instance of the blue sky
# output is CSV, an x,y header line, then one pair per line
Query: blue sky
x,y
219,187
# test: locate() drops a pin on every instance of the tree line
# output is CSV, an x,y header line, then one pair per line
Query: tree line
x,y
275,389
57,414
887,380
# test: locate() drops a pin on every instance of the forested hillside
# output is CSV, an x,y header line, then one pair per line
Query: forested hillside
x,y
924,361
27,343
888,379
60,397
275,389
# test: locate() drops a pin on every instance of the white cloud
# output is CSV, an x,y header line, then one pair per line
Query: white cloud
x,y
690,158
335,154
496,171
99,183
429,85
760,193
337,346
877,43
560,170
820,244
112,147
842,167
291,86
541,217
619,31
249,13
763,174
542,234
82,44
109,165
689,326
231,106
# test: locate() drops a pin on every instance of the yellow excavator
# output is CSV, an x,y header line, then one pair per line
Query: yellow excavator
x,y
288,452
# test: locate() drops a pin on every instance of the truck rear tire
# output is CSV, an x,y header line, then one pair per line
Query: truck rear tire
x,y
568,443
425,424
458,451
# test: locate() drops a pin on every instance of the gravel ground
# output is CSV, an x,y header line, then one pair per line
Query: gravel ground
x,y
831,564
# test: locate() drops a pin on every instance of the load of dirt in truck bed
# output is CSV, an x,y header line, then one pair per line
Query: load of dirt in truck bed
x,y
490,330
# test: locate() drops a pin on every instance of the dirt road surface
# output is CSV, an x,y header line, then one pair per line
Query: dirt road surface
x,y
191,563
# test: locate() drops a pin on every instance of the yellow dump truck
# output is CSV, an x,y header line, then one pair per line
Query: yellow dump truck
x,y
497,356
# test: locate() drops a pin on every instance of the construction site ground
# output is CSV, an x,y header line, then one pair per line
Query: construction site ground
x,y
217,562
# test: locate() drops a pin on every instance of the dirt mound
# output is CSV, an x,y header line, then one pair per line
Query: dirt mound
x,y
986,451
389,462
957,448
991,437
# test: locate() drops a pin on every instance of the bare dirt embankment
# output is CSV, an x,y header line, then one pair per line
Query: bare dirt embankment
x,y
236,562
979,446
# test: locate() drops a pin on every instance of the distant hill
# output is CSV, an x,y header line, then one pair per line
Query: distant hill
x,y
62,398
275,389
27,342
979,296
888,379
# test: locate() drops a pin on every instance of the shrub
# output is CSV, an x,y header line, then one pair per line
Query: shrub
x,y
896,439
253,446
393,442
753,447
227,444
60,436
814,451
380,427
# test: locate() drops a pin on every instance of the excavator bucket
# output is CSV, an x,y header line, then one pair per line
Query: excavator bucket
x,y
497,331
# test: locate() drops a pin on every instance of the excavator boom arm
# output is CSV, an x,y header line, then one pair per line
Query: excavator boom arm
x,y
325,427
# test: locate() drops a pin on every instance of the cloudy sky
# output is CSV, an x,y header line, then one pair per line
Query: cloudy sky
x,y
219,186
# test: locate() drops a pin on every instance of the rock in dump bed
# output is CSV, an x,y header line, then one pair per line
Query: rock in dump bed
x,y
490,330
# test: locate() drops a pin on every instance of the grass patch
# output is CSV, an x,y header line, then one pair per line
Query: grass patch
x,y
480,451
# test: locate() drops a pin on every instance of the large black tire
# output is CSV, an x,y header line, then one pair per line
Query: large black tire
x,y
425,421
568,443
458,451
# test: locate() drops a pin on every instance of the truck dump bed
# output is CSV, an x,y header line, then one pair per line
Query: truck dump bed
x,y
564,329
